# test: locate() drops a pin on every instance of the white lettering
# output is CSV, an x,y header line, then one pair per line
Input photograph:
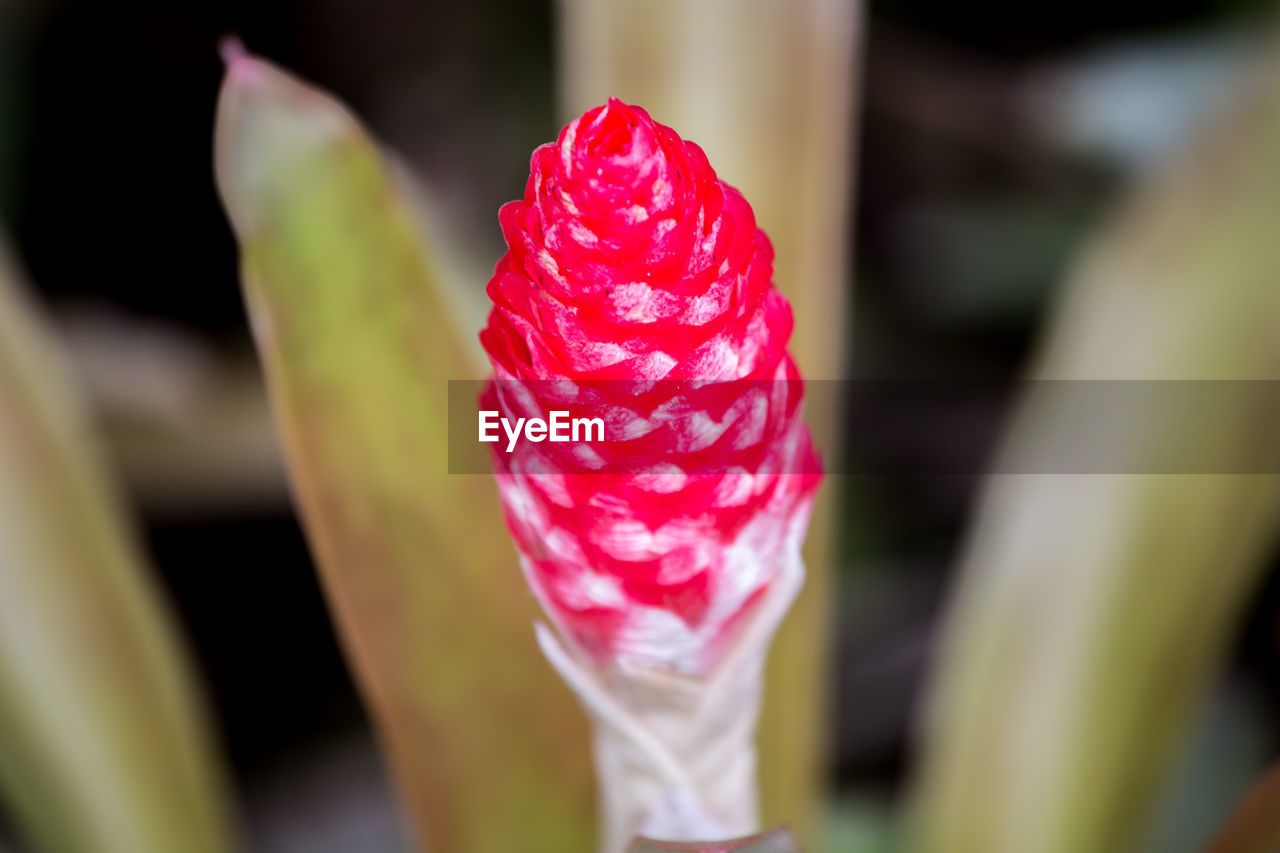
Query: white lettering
x,y
488,421
512,434
559,426
587,425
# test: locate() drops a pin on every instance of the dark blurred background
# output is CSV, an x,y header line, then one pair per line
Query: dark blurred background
x,y
993,138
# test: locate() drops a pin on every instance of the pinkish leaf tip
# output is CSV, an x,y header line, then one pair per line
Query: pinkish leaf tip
x,y
232,50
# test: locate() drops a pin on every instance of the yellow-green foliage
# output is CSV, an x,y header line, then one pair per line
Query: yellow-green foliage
x,y
102,749
488,748
1094,608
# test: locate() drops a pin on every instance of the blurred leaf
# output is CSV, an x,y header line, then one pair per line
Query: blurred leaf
x,y
768,90
1255,825
102,747
488,748
774,841
462,270
1094,608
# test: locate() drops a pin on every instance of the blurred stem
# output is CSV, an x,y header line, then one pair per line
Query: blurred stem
x,y
766,87
102,745
358,345
1093,609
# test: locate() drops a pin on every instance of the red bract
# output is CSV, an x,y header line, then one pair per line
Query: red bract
x,y
634,277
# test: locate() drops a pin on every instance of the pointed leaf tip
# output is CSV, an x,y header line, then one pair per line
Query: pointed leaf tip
x,y
269,129
231,49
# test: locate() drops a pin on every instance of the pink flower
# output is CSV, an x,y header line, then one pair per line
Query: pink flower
x,y
633,276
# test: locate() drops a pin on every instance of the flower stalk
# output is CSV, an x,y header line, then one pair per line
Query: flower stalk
x,y
676,757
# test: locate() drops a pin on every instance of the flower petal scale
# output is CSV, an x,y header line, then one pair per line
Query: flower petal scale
x,y
637,288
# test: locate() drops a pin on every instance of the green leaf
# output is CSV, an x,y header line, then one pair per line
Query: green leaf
x,y
489,750
1094,608
102,745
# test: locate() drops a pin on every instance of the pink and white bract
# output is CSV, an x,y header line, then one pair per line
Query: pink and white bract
x,y
637,288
